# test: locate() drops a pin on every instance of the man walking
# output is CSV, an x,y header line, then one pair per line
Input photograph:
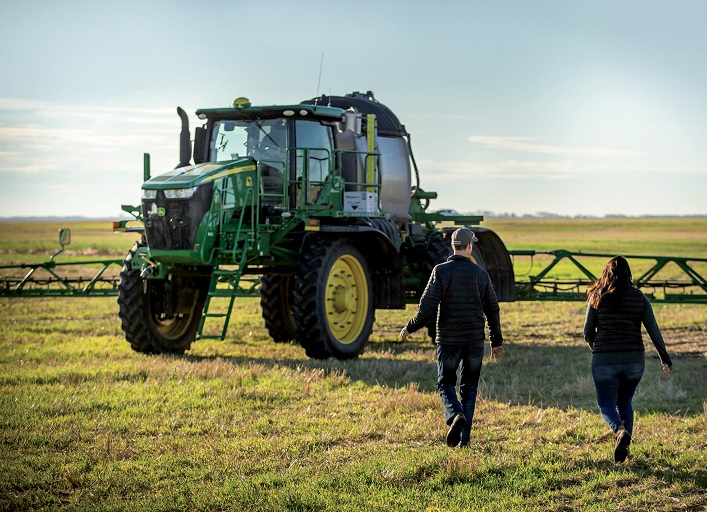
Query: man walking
x,y
461,297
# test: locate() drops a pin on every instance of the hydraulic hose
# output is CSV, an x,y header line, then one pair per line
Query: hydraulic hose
x,y
414,164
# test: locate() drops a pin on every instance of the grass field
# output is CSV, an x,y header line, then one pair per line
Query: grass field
x,y
247,424
671,236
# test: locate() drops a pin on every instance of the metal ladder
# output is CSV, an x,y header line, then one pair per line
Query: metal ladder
x,y
232,277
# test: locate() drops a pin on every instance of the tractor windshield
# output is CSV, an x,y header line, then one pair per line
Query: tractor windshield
x,y
264,140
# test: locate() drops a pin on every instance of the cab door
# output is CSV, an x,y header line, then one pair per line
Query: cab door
x,y
313,158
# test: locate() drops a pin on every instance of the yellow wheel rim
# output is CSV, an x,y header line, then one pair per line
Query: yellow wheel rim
x,y
346,299
171,327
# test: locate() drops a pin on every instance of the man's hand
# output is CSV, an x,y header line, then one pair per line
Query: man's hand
x,y
404,334
497,352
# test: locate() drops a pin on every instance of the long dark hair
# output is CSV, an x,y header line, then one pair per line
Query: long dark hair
x,y
614,281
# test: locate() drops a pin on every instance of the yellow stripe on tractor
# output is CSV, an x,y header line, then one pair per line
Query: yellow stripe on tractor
x,y
228,172
370,159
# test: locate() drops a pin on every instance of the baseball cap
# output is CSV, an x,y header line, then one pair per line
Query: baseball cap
x,y
462,237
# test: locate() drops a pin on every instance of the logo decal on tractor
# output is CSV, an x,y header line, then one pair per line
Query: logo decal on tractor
x,y
161,211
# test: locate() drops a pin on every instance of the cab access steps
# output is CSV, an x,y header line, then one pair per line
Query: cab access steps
x,y
230,277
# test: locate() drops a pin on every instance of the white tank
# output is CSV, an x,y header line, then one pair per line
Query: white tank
x,y
395,178
394,164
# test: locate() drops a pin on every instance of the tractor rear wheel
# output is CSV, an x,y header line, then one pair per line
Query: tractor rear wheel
x,y
491,254
159,315
276,304
333,306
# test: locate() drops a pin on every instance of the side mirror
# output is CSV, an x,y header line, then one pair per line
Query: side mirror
x,y
64,236
64,239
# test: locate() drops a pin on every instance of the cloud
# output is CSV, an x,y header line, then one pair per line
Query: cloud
x,y
42,136
527,145
442,172
77,109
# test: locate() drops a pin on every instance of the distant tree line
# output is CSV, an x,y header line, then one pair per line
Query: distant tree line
x,y
550,215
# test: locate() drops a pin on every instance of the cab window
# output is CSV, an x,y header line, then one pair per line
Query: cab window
x,y
317,140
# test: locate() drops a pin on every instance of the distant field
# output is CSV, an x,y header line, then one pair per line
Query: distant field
x,y
31,242
87,424
39,239
634,236
672,236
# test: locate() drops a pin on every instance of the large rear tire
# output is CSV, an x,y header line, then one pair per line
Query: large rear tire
x,y
276,304
148,328
491,254
333,307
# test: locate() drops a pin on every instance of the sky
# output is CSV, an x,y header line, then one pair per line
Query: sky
x,y
575,107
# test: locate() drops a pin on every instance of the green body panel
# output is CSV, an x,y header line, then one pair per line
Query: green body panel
x,y
198,174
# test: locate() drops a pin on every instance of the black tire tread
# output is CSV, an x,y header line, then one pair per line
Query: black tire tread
x,y
275,305
136,320
312,332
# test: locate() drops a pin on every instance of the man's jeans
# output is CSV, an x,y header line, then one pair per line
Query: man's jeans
x,y
615,385
448,359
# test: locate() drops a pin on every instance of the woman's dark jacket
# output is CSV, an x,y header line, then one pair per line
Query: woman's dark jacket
x,y
613,330
460,294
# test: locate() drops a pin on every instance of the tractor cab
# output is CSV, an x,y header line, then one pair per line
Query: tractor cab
x,y
292,148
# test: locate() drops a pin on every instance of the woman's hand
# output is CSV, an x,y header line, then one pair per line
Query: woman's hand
x,y
666,368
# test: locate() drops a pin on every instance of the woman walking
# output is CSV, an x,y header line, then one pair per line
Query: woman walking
x,y
612,328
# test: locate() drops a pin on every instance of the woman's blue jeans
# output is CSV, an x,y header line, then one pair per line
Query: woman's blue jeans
x,y
615,385
449,357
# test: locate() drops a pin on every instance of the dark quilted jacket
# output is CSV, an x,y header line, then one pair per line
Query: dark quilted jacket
x,y
612,330
461,296
620,328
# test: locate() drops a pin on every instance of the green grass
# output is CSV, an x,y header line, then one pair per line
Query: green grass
x,y
41,238
635,236
247,424
87,424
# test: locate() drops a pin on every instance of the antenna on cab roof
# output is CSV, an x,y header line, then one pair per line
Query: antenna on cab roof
x,y
319,81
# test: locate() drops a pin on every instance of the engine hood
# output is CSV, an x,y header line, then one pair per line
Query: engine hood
x,y
195,175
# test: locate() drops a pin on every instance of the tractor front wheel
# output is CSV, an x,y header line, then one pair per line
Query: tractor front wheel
x,y
333,306
159,315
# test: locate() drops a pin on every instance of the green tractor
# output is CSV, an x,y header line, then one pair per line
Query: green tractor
x,y
315,198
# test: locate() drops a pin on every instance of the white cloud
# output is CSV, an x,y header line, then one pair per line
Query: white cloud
x,y
527,145
433,171
41,136
52,108
432,166
28,168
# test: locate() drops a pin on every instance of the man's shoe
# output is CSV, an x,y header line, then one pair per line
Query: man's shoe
x,y
623,440
455,430
463,443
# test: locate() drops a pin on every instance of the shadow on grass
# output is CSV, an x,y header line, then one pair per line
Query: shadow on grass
x,y
540,375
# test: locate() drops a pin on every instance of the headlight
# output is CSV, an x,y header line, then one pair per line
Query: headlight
x,y
179,193
149,194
